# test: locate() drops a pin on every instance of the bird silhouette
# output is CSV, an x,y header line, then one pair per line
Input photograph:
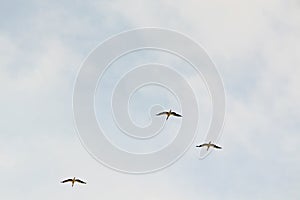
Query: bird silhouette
x,y
169,113
208,145
73,181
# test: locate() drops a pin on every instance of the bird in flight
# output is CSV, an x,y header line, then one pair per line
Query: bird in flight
x,y
169,113
73,181
208,145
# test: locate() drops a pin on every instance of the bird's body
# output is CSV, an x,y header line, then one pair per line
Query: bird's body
x,y
169,113
73,181
208,145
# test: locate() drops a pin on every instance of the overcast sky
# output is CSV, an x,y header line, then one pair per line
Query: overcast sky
x,y
255,46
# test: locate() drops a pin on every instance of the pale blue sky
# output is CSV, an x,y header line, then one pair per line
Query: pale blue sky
x,y
254,44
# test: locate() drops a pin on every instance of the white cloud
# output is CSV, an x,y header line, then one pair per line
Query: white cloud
x,y
255,45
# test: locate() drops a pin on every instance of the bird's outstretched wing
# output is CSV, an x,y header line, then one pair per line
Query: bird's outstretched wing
x,y
67,180
217,147
201,145
162,113
80,181
175,114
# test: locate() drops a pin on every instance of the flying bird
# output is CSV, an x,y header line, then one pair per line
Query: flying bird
x,y
208,145
73,181
169,113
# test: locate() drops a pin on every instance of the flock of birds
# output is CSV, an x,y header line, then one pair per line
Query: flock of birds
x,y
168,114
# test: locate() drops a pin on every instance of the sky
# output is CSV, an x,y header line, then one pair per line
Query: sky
x,y
255,47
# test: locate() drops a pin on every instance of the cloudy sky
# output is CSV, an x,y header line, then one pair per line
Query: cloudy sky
x,y
255,46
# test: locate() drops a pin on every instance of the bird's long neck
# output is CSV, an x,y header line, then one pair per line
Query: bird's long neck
x,y
208,145
73,181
